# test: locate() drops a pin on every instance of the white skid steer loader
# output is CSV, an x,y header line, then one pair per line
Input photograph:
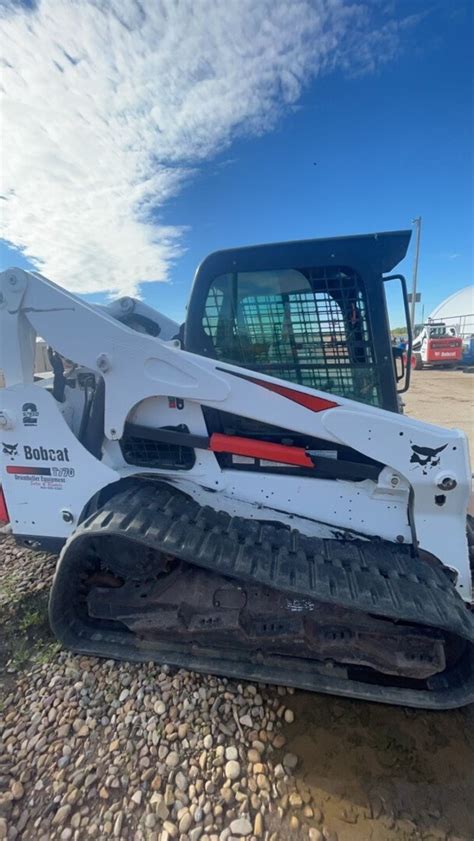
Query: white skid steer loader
x,y
242,495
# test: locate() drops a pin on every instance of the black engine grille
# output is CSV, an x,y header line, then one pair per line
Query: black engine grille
x,y
146,452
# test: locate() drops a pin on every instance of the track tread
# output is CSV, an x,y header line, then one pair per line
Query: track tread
x,y
375,577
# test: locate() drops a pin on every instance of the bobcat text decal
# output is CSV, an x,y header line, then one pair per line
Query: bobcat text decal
x,y
45,454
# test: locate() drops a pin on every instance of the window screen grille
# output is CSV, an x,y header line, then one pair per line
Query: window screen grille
x,y
308,327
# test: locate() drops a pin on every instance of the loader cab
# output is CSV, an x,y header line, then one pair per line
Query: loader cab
x,y
312,312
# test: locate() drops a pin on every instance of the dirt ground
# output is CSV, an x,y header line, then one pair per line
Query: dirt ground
x,y
385,773
445,398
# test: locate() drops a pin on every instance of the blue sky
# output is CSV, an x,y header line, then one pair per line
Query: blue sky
x,y
388,123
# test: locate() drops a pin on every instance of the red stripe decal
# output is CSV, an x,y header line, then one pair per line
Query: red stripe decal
x,y
259,449
315,404
27,471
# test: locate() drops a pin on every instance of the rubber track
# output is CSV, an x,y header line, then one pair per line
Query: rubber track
x,y
375,577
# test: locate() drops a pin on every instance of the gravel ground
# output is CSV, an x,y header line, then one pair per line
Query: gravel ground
x,y
100,749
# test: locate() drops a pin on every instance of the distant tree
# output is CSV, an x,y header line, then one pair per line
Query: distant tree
x,y
402,331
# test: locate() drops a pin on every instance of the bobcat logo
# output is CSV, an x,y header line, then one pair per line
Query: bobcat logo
x,y
10,449
426,457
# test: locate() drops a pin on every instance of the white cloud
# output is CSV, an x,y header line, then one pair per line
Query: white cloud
x,y
109,106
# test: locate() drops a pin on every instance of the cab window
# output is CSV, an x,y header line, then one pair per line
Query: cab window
x,y
307,326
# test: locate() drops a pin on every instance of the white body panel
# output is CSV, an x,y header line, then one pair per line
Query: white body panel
x,y
141,372
37,502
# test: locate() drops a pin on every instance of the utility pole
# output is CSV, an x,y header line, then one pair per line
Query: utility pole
x,y
416,222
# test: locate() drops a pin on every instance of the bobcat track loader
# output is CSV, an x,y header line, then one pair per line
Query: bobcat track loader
x,y
242,495
436,345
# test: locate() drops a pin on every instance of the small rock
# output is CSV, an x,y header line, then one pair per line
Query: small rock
x,y
3,829
63,731
246,721
262,782
232,771
294,823
73,796
170,828
62,814
83,732
315,834
258,825
22,821
159,707
17,790
231,752
162,751
207,741
289,716
278,771
241,826
157,801
118,824
172,760
295,799
169,796
290,761
137,797
6,804
185,823
155,784
181,781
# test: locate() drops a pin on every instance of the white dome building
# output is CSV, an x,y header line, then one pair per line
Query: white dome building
x,y
457,311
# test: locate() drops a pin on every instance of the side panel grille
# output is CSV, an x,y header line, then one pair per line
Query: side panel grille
x,y
145,452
